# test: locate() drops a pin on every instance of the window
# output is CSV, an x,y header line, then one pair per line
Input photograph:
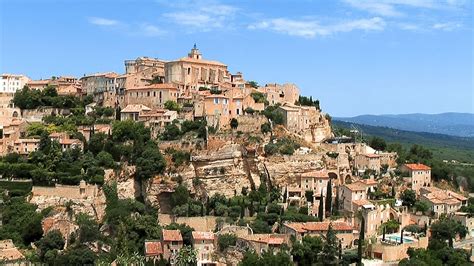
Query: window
x,y
216,100
238,111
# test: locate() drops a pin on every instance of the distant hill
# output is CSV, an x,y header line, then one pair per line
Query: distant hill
x,y
455,124
443,146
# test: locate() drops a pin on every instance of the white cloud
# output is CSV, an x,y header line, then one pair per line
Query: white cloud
x,y
312,28
103,21
203,16
448,26
390,8
151,30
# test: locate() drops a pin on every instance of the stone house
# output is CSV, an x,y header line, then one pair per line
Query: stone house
x,y
280,94
348,193
204,243
419,175
442,201
298,118
87,131
133,111
102,86
171,242
263,242
374,215
153,96
153,251
367,161
9,254
343,230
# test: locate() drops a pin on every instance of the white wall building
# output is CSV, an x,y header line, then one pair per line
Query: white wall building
x,y
10,83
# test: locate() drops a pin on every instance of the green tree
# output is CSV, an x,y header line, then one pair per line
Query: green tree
x,y
330,249
360,247
150,163
321,208
329,198
408,197
180,196
105,159
172,105
378,143
446,229
226,240
266,128
53,240
307,252
171,132
187,256
421,206
234,123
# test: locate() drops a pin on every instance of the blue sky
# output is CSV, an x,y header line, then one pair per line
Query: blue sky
x,y
356,56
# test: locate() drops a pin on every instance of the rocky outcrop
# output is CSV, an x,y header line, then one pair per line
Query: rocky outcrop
x,y
283,170
223,171
127,186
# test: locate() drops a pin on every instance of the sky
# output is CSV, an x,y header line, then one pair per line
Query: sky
x,y
355,56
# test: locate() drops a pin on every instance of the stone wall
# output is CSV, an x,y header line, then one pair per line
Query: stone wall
x,y
284,170
250,123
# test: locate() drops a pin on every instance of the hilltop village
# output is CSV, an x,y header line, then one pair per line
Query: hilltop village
x,y
183,163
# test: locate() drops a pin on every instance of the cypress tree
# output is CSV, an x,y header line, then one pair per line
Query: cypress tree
x,y
321,207
361,242
329,198
336,203
393,191
202,209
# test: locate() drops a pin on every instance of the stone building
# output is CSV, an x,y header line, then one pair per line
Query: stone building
x,y
171,242
281,94
153,251
192,72
343,230
261,243
145,68
441,201
9,254
153,96
204,243
99,85
367,161
419,175
10,83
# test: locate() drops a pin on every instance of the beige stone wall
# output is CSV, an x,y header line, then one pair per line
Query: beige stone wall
x,y
251,123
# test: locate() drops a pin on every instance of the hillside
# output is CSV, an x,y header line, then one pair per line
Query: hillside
x,y
455,124
444,147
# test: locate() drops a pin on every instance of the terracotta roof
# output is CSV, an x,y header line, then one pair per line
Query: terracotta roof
x,y
369,182
270,239
197,235
10,254
199,61
172,235
318,174
417,167
134,108
153,248
355,186
362,202
319,226
161,86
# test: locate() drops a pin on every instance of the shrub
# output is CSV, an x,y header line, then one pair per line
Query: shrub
x,y
226,240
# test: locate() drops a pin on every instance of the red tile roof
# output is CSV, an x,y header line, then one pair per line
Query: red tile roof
x,y
417,167
153,248
172,235
320,226
318,174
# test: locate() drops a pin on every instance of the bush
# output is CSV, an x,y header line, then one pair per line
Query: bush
x,y
226,240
